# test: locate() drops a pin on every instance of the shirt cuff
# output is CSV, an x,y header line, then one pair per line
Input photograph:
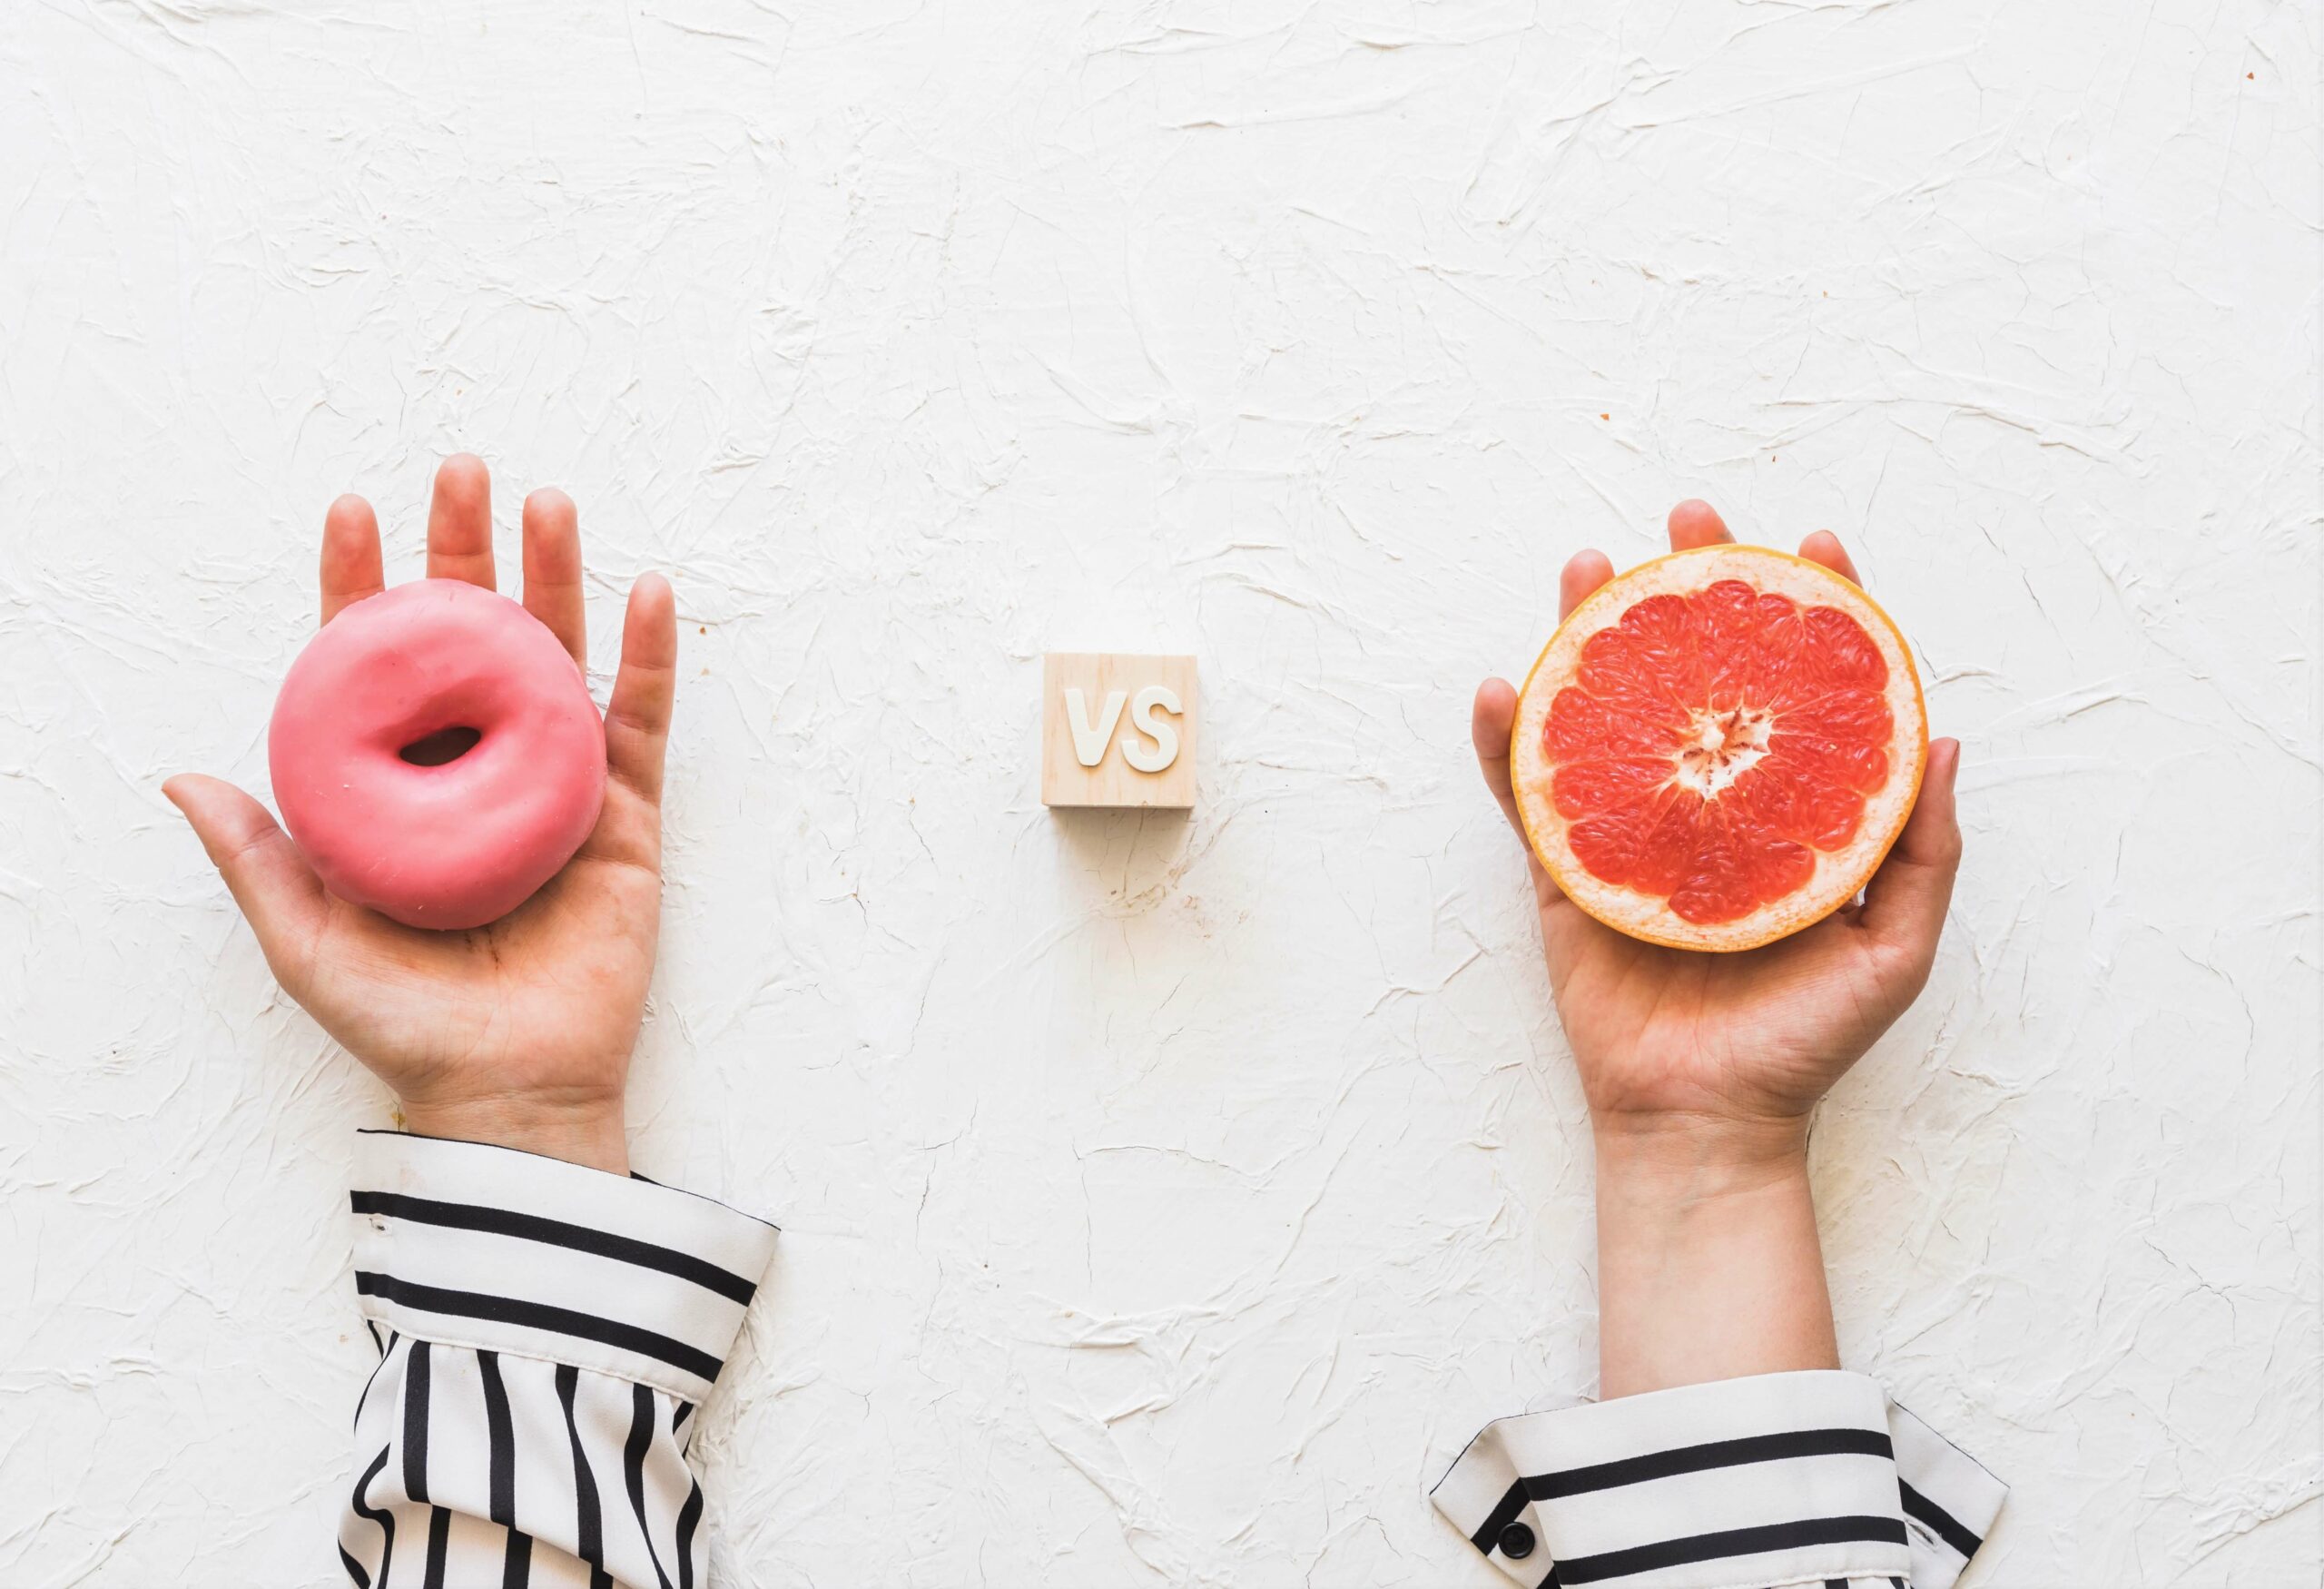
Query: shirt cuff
x,y
1950,1500
469,1244
1776,1478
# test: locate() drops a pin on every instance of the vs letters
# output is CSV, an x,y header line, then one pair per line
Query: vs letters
x,y
1118,729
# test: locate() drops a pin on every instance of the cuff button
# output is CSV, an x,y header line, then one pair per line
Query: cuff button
x,y
1517,1542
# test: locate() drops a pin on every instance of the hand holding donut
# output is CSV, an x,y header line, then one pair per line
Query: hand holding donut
x,y
520,1031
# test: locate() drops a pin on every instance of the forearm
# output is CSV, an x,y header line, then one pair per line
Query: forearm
x,y
1727,1446
1708,1266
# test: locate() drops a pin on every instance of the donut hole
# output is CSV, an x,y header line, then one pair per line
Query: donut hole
x,y
441,747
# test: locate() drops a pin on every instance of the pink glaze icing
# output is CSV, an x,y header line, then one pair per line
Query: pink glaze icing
x,y
449,846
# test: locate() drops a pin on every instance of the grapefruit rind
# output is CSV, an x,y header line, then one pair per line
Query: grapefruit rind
x,y
1839,874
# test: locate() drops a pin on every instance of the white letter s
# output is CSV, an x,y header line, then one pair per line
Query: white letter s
x,y
1165,735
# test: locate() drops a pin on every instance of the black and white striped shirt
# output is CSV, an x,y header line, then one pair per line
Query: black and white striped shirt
x,y
546,1331
1811,1479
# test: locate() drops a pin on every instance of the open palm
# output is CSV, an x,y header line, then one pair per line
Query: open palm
x,y
1757,1036
521,1031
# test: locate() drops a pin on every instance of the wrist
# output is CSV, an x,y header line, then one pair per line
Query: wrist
x,y
1690,1189
1704,1152
589,1131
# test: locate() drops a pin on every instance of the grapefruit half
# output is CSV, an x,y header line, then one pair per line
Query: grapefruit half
x,y
1718,747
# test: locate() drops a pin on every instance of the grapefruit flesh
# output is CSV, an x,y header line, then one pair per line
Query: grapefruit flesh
x,y
1718,747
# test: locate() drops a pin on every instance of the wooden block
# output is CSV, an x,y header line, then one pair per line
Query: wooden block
x,y
1118,730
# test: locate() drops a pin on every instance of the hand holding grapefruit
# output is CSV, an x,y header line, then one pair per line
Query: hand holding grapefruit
x,y
1716,752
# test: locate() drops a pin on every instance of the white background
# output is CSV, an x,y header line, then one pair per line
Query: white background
x,y
1168,1201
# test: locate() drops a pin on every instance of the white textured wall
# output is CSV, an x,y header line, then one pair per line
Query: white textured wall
x,y
1168,1201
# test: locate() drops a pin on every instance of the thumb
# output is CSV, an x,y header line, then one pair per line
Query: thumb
x,y
278,893
1904,905
1492,717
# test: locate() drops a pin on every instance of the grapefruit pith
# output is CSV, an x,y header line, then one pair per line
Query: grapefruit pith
x,y
1718,747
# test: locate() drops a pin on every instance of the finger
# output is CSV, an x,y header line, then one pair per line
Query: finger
x,y
553,568
279,894
1584,572
637,720
1491,720
350,569
1695,523
1824,548
459,521
1904,905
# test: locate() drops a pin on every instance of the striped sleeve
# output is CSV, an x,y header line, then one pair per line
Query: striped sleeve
x,y
1776,1479
546,1332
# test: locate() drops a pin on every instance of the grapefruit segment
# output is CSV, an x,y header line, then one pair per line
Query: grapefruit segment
x,y
1718,747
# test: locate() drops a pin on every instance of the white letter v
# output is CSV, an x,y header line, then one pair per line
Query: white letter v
x,y
1090,743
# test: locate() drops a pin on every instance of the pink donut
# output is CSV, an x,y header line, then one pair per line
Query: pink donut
x,y
460,843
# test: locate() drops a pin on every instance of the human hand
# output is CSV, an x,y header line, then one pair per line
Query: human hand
x,y
517,1034
1702,1070
1735,1047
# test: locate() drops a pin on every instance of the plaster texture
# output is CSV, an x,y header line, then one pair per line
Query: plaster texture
x,y
1168,1198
